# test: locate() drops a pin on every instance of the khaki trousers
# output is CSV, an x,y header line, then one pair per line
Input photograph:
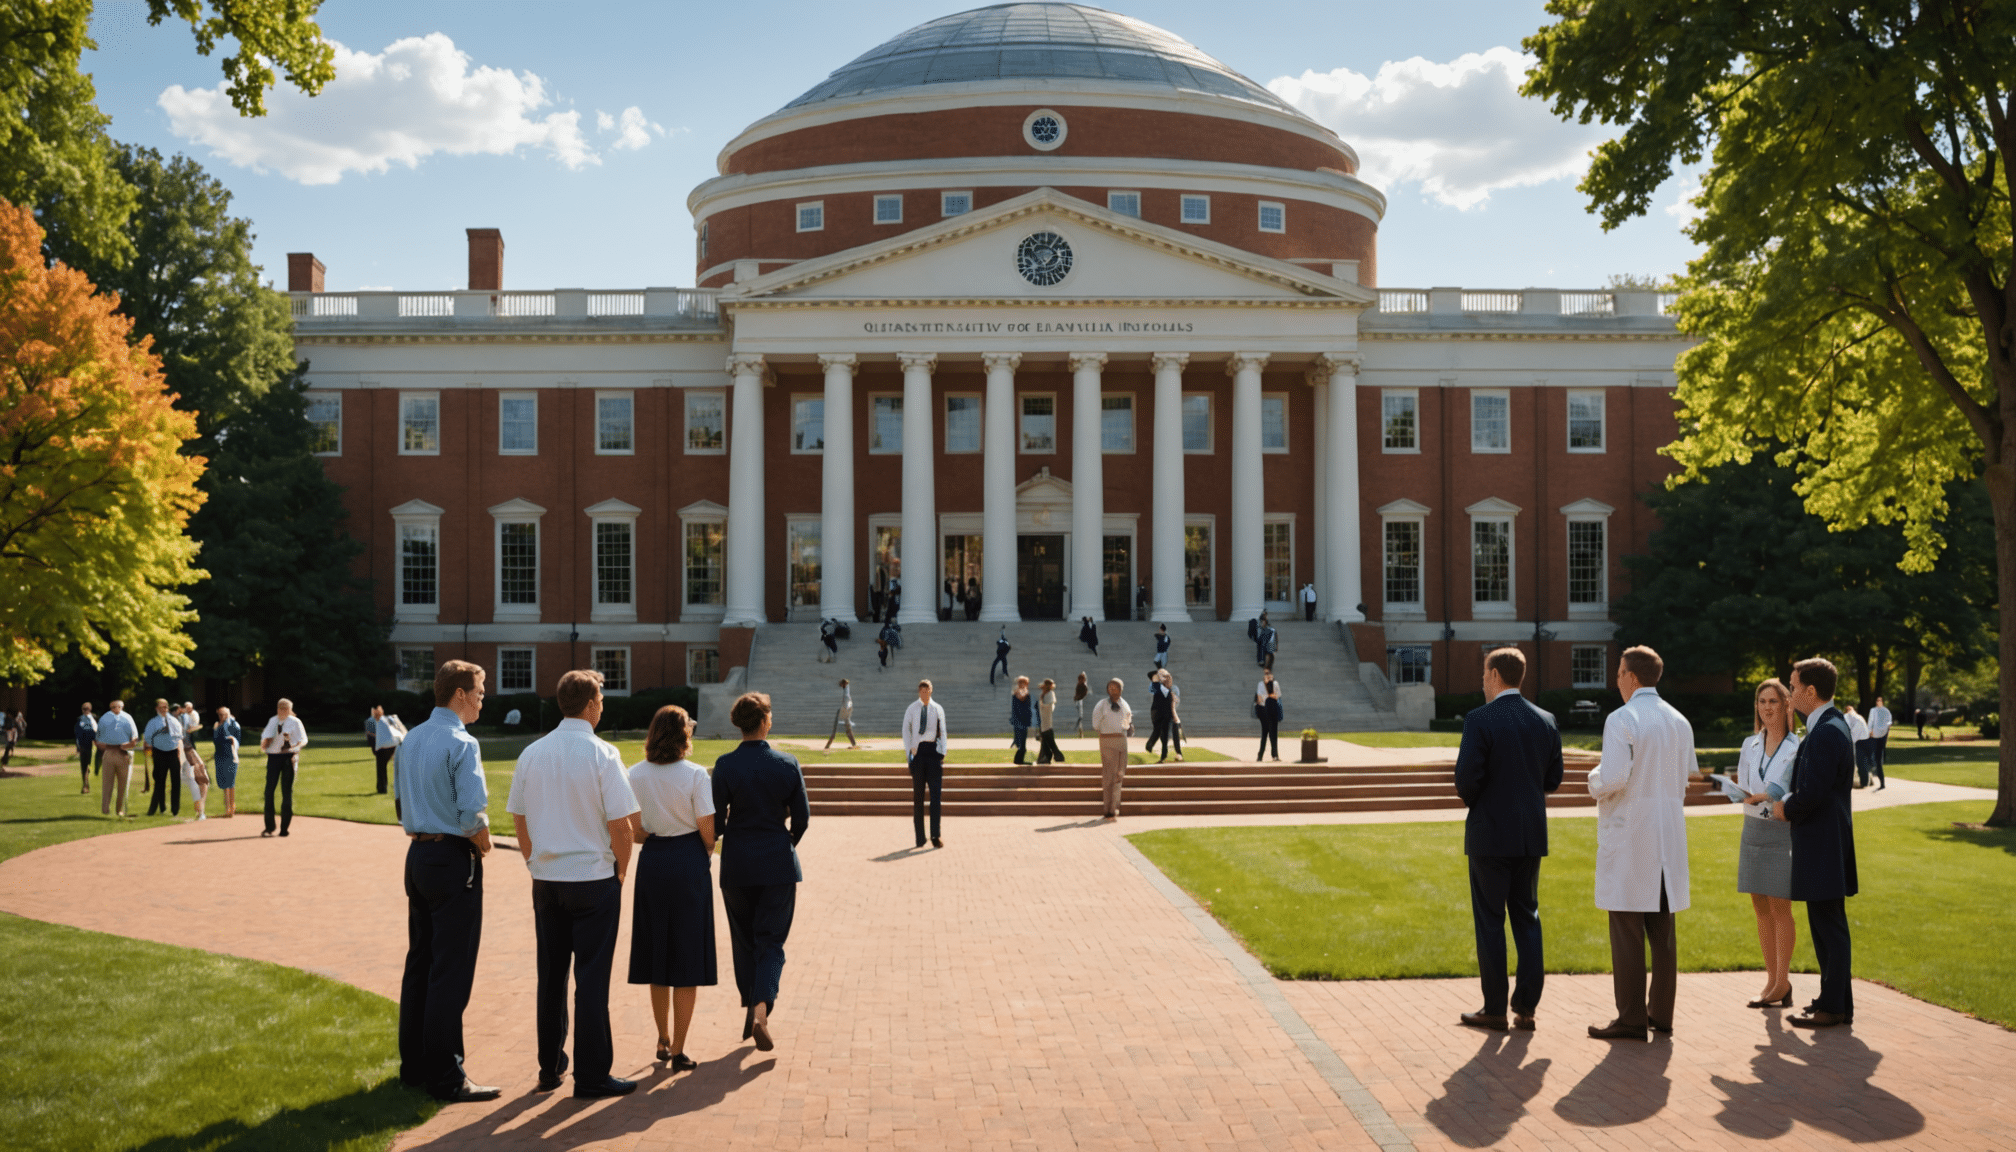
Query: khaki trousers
x,y
1112,769
1630,932
118,767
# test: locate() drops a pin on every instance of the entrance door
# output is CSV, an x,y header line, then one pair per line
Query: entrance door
x,y
1039,577
1119,578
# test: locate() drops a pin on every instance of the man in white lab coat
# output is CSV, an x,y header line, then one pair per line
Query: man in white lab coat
x,y
1641,843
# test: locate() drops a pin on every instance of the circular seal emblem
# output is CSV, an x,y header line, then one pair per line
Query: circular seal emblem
x,y
1043,259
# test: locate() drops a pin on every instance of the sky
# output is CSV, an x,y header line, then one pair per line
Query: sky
x,y
579,128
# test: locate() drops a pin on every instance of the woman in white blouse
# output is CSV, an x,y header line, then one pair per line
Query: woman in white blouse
x,y
1764,865
672,914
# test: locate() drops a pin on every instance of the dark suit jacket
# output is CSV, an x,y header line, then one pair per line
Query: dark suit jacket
x,y
1823,823
755,789
1510,760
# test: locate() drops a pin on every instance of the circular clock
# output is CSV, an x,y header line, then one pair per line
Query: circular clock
x,y
1044,259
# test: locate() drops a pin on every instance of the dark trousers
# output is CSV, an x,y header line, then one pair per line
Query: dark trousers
x,y
1021,741
575,923
1159,733
1869,758
84,750
1827,921
444,927
280,772
167,775
1502,886
1270,732
1047,751
1001,662
1881,749
927,773
759,921
384,758
1630,932
1308,610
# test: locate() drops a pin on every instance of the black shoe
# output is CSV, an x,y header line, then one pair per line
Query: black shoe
x,y
936,842
470,1093
610,1086
684,1063
548,1082
283,832
1657,1026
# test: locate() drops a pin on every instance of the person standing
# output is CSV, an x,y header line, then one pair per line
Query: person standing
x,y
224,737
1162,646
1858,729
1113,720
895,599
282,741
1641,843
1078,695
1270,723
386,733
1168,679
1918,714
1509,760
1161,714
444,805
86,731
11,730
195,777
1001,649
758,791
924,748
163,737
117,734
1141,601
1021,718
672,905
1309,601
570,805
1880,721
842,717
1823,839
1764,866
951,600
1047,751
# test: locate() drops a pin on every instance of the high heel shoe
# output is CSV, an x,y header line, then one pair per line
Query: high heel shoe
x,y
1783,1002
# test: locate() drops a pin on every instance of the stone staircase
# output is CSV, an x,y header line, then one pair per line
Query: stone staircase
x,y
1213,664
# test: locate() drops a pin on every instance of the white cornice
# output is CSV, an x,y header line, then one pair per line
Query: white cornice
x,y
517,507
1587,507
1403,507
419,508
706,336
1493,506
613,509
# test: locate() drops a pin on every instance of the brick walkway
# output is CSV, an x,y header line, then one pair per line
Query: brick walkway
x,y
1029,987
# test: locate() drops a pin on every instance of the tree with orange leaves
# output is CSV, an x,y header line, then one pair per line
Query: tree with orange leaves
x,y
94,490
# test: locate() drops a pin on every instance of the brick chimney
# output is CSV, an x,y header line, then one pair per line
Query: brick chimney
x,y
486,260
304,272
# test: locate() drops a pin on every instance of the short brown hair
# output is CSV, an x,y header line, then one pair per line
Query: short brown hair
x,y
749,712
668,740
577,690
1645,664
1819,675
1509,663
454,676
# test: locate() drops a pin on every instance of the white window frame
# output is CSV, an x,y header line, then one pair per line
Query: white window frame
x,y
610,512
815,210
532,671
1116,201
406,398
895,198
1184,204
1393,659
702,512
402,680
1260,216
720,398
327,398
516,512
693,650
1289,607
791,430
1495,511
895,449
1586,512
1602,420
1413,397
945,202
503,397
627,397
415,514
1210,424
629,668
1133,414
1602,665
1504,394
1021,441
1285,429
1405,511
979,400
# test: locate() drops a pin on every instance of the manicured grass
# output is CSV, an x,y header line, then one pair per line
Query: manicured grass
x,y
1374,901
1972,763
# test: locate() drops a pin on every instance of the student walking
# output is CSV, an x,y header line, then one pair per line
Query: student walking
x,y
1113,720
829,642
1162,646
1000,655
1880,721
224,737
117,734
85,729
760,807
1047,751
195,777
1268,640
924,748
672,906
1078,695
1088,634
1161,714
843,717
282,741
164,736
1021,717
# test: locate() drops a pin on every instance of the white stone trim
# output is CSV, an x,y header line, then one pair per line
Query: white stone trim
x,y
1029,135
611,510
415,514
516,511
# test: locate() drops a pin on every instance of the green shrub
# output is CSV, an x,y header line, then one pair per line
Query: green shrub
x,y
1991,726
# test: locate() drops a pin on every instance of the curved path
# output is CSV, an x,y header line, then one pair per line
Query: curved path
x,y
1035,985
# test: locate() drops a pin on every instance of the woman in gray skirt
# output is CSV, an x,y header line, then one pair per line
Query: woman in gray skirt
x,y
1764,868
672,921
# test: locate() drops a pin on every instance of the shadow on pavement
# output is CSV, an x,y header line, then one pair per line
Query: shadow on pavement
x,y
1822,1081
1627,1086
1483,1099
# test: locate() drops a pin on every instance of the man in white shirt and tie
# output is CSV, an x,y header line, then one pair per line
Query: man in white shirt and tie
x,y
924,745
282,741
1879,742
1113,720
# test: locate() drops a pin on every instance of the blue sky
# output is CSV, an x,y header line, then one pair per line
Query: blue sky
x,y
589,193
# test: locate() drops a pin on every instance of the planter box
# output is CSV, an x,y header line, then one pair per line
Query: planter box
x,y
1309,754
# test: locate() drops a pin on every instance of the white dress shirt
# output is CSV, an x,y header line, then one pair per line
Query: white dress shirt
x,y
568,786
1111,717
1879,722
917,727
1754,771
1857,726
1641,792
297,736
671,798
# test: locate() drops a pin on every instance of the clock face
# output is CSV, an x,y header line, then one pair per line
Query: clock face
x,y
1043,259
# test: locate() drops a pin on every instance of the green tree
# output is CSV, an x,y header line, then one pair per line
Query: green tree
x,y
1855,294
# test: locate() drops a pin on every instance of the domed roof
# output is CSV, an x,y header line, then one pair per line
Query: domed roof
x,y
1037,41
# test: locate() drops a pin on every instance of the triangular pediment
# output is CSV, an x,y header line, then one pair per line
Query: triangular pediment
x,y
1043,488
982,255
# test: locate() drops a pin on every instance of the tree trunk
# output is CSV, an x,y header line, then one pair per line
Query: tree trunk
x,y
1882,673
1862,650
2001,481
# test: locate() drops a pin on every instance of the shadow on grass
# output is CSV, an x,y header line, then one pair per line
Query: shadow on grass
x,y
380,1110
1979,837
93,818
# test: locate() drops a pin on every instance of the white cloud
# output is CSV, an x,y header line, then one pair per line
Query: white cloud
x,y
633,130
1460,130
420,96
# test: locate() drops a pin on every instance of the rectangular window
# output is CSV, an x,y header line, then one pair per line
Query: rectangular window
x,y
1116,422
962,423
1490,422
1125,203
613,552
419,564
1403,562
703,241
812,216
704,541
614,665
518,423
802,552
706,422
325,423
1400,421
416,669
1196,422
615,425
1196,209
1409,664
1491,561
888,210
1277,561
1588,664
1274,422
518,563
1587,573
1197,565
1273,216
703,665
419,424
885,425
514,670
955,203
1039,424
808,424
1585,421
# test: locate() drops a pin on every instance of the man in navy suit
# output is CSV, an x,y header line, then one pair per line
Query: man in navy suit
x,y
1823,838
756,789
1509,761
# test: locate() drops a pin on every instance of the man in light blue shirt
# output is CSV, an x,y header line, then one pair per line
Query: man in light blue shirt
x,y
116,737
163,737
443,804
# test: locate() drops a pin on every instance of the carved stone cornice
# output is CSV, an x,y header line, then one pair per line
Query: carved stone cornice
x,y
1080,361
1009,360
918,361
1246,361
1170,360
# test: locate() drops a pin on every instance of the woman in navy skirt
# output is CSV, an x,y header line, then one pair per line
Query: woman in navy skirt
x,y
672,920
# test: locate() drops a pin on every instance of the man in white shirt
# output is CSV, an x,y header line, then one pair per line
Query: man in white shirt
x,y
1858,727
924,746
1879,743
570,803
1308,601
282,742
1113,720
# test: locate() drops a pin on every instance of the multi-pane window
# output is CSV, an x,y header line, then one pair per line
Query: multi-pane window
x,y
1277,560
1197,565
1125,203
614,665
955,203
1490,422
1273,216
1274,423
518,423
962,423
1588,664
325,423
613,554
1409,663
514,670
1585,421
703,665
701,244
885,424
419,424
802,553
419,564
706,421
1491,561
812,217
615,424
808,424
1116,423
1586,568
704,539
1039,424
518,563
1196,209
888,210
416,669
1400,421
1196,422
1403,562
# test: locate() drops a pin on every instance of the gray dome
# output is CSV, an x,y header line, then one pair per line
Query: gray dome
x,y
1037,41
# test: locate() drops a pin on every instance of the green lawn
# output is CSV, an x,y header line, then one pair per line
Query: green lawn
x,y
1971,763
1376,901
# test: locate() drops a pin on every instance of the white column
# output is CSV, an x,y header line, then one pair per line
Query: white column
x,y
999,599
920,492
1347,589
745,575
836,513
1320,395
1088,489
1249,488
1166,515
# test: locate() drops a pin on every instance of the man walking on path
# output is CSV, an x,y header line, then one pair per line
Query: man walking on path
x,y
1641,843
1509,760
1308,601
1823,839
282,741
116,737
570,805
1001,649
924,747
164,737
1879,743
1113,720
86,731
444,805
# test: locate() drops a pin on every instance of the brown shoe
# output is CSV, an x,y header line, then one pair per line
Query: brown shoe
x,y
1616,1031
1815,1019
937,842
1484,1020
1522,1022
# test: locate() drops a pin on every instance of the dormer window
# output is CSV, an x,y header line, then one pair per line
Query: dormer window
x,y
955,203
